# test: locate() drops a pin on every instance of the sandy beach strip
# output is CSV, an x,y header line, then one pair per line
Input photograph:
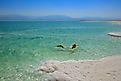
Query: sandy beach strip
x,y
112,21
117,22
106,69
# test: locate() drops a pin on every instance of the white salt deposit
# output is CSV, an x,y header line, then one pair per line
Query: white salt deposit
x,y
107,69
115,34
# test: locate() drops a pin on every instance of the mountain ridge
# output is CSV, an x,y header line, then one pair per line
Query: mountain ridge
x,y
53,18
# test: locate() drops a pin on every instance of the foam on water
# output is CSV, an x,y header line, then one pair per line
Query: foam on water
x,y
24,45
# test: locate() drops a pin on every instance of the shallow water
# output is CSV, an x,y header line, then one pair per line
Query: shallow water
x,y
24,45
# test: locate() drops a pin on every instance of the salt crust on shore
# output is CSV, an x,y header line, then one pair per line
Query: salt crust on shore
x,y
106,69
115,34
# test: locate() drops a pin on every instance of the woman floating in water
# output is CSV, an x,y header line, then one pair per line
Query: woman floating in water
x,y
61,46
73,46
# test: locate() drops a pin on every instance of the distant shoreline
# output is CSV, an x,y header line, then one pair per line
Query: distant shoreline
x,y
112,21
102,20
118,22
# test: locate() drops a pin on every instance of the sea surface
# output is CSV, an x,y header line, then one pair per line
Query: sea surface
x,y
25,45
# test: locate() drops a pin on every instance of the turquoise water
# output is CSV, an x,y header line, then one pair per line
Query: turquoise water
x,y
24,45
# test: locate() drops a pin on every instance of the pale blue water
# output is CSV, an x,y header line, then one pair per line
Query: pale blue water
x,y
24,45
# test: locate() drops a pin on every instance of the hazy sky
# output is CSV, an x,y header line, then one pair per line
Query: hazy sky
x,y
73,8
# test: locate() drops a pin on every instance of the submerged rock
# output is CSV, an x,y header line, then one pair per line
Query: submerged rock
x,y
49,66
